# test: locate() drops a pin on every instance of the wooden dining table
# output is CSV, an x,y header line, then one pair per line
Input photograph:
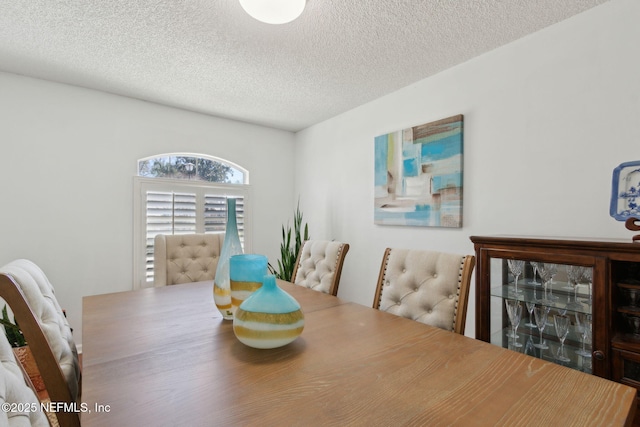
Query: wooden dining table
x,y
165,357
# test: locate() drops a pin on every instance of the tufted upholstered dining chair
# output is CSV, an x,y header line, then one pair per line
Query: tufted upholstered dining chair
x,y
184,258
15,389
31,297
427,286
319,265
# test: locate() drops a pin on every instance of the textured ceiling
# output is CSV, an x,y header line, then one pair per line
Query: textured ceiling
x,y
209,56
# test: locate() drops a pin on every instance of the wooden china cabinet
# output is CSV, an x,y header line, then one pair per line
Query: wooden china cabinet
x,y
593,282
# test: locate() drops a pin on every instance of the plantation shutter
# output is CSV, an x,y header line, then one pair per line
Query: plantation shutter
x,y
215,214
169,212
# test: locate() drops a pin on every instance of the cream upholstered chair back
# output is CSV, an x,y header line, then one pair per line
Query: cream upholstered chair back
x,y
14,389
184,258
427,286
319,265
31,297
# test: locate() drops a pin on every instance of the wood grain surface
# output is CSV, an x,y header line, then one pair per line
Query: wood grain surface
x,y
165,357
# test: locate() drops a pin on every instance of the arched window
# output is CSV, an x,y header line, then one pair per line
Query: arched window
x,y
193,167
183,193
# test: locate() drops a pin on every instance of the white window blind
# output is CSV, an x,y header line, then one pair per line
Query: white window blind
x,y
215,214
169,207
170,213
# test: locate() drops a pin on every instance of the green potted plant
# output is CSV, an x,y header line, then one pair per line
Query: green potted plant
x,y
11,330
22,351
291,242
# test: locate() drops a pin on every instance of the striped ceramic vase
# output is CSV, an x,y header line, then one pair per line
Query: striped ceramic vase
x,y
269,318
231,246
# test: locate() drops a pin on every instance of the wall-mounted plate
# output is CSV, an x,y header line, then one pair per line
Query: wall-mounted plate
x,y
625,191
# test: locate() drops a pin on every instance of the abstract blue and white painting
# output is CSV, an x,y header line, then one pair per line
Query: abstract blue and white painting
x,y
418,175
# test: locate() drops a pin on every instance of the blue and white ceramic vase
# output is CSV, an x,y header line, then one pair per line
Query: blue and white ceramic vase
x,y
269,318
231,246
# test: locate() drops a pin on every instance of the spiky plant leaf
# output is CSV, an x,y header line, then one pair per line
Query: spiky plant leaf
x,y
289,253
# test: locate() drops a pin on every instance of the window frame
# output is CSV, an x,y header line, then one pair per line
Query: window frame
x,y
144,184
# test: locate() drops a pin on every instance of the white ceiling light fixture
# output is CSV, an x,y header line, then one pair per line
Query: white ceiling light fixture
x,y
274,11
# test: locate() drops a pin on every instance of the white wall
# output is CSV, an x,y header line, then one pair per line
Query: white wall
x,y
68,157
546,120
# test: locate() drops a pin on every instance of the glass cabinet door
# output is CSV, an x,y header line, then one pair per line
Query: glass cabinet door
x,y
548,305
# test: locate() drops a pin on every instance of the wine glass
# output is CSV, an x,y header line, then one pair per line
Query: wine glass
x,y
553,269
545,271
530,323
540,312
514,310
588,277
516,267
583,322
570,278
561,322
574,273
529,348
561,312
534,265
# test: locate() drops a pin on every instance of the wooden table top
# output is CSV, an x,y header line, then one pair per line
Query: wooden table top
x,y
164,357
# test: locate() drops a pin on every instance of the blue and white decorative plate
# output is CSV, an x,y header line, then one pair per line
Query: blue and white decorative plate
x,y
625,191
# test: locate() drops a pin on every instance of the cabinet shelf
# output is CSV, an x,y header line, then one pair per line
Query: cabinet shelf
x,y
629,310
536,295
626,341
529,337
